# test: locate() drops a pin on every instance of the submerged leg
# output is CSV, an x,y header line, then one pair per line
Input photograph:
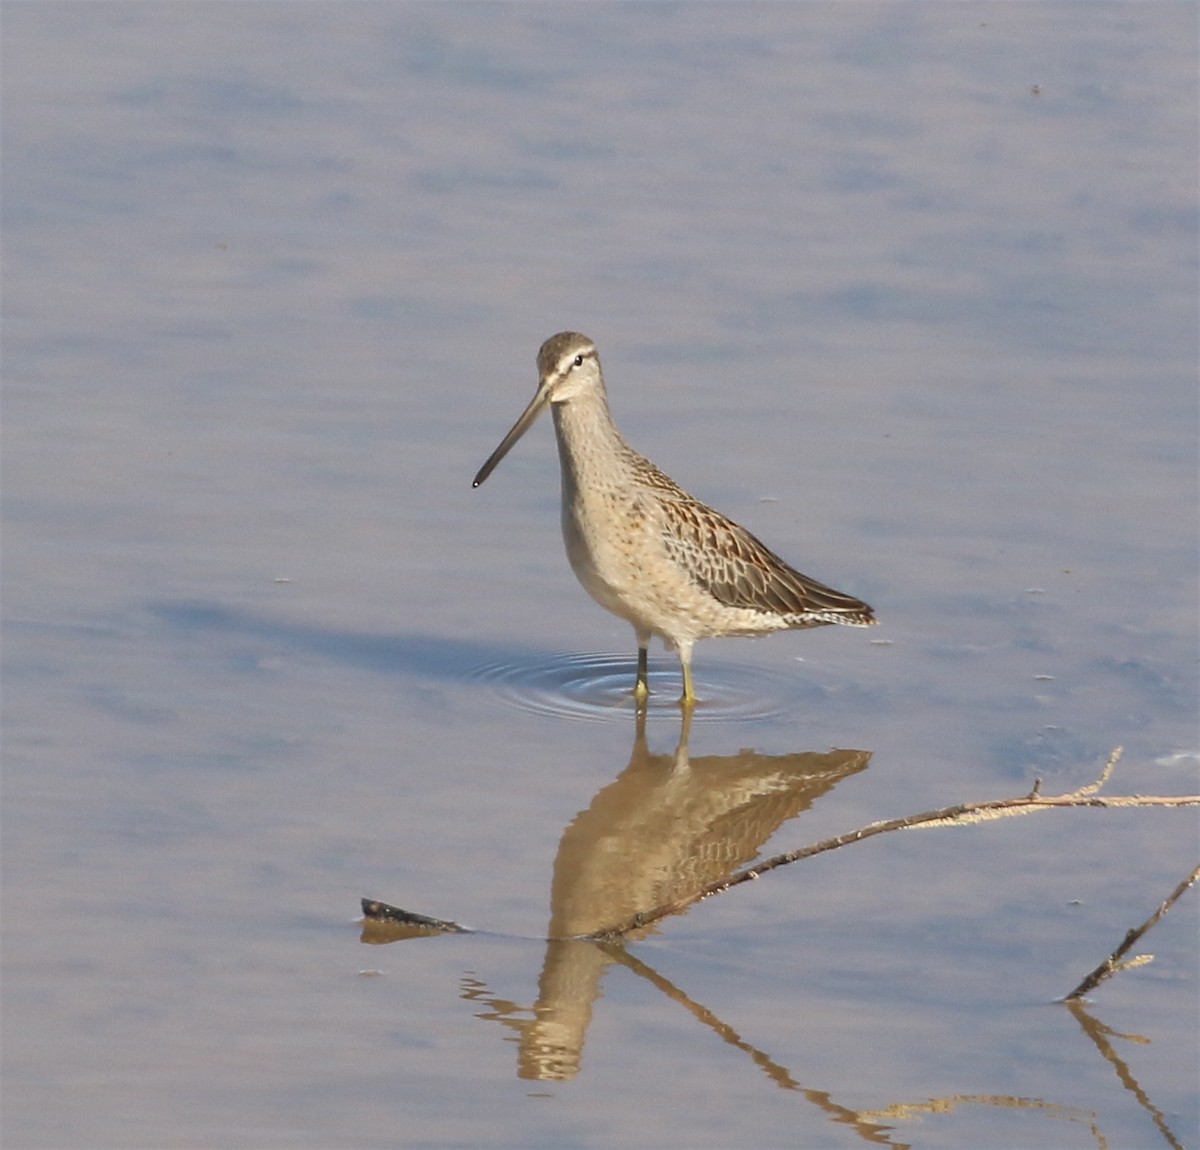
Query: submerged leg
x,y
642,688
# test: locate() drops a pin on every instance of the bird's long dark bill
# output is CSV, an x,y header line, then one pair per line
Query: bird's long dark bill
x,y
518,429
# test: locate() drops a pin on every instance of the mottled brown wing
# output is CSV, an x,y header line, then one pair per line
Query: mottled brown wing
x,y
740,571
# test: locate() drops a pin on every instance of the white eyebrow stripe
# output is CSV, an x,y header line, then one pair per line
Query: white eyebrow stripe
x,y
567,363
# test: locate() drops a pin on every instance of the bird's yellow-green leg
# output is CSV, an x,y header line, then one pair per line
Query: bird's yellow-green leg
x,y
642,688
685,661
689,692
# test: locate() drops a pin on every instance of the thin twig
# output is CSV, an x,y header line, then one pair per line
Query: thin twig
x,y
1112,964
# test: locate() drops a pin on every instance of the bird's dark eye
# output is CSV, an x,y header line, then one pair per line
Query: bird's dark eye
x,y
579,361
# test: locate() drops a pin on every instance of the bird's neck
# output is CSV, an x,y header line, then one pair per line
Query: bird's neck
x,y
590,448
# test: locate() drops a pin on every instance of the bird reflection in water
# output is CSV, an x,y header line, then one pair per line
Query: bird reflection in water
x,y
664,829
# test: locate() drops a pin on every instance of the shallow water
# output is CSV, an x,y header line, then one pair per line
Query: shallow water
x,y
909,290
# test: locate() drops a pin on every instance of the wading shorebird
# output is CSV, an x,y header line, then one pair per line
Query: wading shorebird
x,y
644,548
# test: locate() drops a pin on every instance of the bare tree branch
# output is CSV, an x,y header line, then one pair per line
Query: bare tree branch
x,y
1113,963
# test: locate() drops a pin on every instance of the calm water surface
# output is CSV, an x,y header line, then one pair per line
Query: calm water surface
x,y
909,290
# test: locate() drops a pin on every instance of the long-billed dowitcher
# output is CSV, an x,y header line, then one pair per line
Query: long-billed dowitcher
x,y
642,546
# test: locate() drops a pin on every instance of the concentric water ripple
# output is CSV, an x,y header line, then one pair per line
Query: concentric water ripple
x,y
598,687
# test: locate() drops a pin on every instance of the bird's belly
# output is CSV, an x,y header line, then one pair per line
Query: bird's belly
x,y
618,557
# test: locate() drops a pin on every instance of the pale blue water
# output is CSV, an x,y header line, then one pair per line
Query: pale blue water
x,y
909,290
